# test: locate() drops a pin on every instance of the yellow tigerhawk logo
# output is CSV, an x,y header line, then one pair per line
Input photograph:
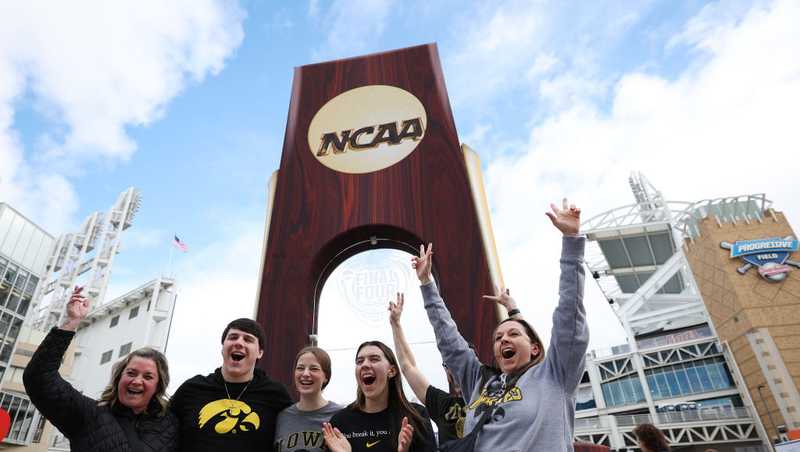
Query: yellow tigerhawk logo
x,y
228,416
512,395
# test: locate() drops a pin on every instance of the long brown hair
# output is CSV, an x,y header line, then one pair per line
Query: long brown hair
x,y
110,395
651,437
399,406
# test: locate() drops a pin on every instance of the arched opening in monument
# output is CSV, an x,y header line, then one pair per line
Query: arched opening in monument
x,y
351,305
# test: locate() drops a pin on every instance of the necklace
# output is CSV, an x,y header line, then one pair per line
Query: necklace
x,y
224,383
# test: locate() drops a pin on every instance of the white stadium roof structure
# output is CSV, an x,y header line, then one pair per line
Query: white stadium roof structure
x,y
635,253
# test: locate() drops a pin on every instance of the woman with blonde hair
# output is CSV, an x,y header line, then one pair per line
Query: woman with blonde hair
x,y
131,414
299,426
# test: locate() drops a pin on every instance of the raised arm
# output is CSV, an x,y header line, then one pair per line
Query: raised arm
x,y
570,334
460,359
60,403
502,296
408,365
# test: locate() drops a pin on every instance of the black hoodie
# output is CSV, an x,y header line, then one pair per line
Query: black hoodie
x,y
210,421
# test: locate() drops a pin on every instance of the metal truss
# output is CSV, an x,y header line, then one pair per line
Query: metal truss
x,y
601,439
681,354
681,429
649,308
91,252
702,434
615,368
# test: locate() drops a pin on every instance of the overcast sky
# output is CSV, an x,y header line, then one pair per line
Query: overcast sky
x,y
187,101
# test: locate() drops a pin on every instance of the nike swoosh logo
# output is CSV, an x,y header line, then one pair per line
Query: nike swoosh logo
x,y
369,444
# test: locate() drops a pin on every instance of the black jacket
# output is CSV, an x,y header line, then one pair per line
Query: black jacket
x,y
89,427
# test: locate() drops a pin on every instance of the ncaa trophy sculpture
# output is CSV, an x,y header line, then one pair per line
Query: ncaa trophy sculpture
x,y
371,159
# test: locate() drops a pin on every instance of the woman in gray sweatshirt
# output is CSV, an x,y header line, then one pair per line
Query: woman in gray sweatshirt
x,y
529,395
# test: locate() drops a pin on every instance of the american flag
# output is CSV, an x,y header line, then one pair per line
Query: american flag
x,y
180,245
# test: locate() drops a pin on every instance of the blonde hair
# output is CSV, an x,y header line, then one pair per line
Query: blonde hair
x,y
110,395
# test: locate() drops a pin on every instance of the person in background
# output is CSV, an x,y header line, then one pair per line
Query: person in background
x,y
236,406
299,427
446,409
131,414
525,400
381,419
650,438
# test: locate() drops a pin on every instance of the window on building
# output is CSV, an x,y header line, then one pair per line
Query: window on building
x,y
584,399
10,275
623,391
5,322
125,349
114,321
134,312
37,437
22,278
5,291
13,302
680,379
13,332
31,286
24,304
106,356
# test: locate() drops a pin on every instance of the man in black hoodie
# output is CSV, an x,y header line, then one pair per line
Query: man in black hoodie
x,y
235,407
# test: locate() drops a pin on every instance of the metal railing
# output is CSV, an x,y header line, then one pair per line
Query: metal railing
x,y
701,415
676,417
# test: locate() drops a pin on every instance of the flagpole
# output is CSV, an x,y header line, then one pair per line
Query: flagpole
x,y
169,263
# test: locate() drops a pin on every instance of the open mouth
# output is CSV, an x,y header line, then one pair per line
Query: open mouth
x,y
507,353
306,382
368,380
237,356
134,392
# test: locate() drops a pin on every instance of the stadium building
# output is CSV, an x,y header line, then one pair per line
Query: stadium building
x,y
713,348
24,249
37,274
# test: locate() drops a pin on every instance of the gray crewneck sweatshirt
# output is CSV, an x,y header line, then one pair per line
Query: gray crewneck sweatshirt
x,y
301,431
538,412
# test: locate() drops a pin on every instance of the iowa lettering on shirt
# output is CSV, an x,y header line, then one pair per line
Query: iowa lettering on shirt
x,y
300,441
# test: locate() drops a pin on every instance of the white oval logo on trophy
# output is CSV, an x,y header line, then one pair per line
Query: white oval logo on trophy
x,y
367,129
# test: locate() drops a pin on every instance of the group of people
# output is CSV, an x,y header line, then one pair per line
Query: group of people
x,y
522,401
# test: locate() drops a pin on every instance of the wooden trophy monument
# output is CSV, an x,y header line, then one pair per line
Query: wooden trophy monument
x,y
371,159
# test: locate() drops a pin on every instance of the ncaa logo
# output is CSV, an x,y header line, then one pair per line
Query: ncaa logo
x,y
367,129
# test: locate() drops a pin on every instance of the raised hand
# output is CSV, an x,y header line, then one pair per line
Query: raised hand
x,y
567,219
334,439
405,436
423,263
502,296
396,309
77,309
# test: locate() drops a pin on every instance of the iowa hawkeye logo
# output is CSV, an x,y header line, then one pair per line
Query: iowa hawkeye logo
x,y
228,416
